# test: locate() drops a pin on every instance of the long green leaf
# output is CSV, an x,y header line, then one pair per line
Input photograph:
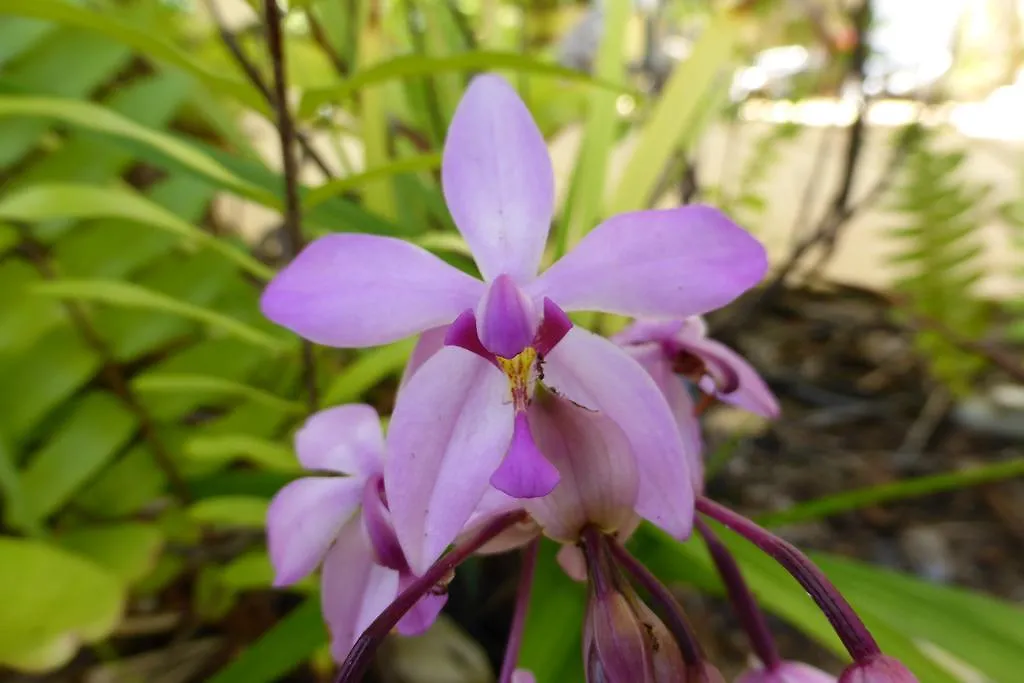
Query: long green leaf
x,y
416,66
369,370
290,642
89,116
224,448
671,124
133,296
177,383
42,202
920,486
144,42
333,188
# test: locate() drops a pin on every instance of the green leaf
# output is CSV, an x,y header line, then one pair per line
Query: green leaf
x,y
128,295
124,488
248,571
69,200
97,428
173,383
554,623
145,42
15,509
234,511
58,365
94,117
909,488
53,602
333,188
128,551
244,447
367,372
671,123
290,642
417,66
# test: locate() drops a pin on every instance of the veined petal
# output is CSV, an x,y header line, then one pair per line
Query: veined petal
x,y
497,180
355,589
597,374
598,468
506,319
424,613
346,439
524,472
672,263
451,426
652,358
303,520
352,290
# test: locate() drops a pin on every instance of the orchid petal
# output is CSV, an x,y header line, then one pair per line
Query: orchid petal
x,y
424,613
506,319
303,520
598,468
523,676
355,589
429,343
524,472
597,374
657,365
494,504
497,180
673,263
570,558
345,439
749,391
787,672
352,290
450,429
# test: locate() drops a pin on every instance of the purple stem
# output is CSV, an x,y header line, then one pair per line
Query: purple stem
x,y
358,659
742,600
689,646
515,635
848,626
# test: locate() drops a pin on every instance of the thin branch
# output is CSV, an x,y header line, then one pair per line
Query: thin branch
x,y
316,31
253,74
293,210
112,373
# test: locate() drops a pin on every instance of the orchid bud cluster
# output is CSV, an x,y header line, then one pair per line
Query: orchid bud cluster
x,y
512,423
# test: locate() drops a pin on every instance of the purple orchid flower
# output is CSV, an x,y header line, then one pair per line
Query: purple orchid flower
x,y
343,522
461,422
787,672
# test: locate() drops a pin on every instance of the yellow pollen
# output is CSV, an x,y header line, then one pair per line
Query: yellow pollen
x,y
518,370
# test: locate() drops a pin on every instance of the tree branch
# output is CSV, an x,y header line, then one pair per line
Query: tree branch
x,y
293,210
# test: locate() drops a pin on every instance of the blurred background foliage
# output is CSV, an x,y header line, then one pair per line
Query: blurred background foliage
x,y
147,407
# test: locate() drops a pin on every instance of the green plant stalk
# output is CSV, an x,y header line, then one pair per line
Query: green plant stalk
x,y
590,172
912,488
378,195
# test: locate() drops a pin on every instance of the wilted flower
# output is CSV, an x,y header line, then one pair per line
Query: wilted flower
x,y
343,522
461,421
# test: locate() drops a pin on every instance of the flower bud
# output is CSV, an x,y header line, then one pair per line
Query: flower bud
x,y
878,669
625,642
787,672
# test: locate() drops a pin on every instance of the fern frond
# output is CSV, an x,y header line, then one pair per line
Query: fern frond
x,y
1013,216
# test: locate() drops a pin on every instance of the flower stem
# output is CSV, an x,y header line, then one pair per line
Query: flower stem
x,y
743,602
358,659
675,620
515,636
848,626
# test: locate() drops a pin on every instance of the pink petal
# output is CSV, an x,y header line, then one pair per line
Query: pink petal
x,y
354,588
424,613
750,392
506,319
303,520
597,374
493,504
353,290
570,558
497,180
523,676
451,426
787,672
345,439
654,361
429,343
598,468
672,263
524,472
